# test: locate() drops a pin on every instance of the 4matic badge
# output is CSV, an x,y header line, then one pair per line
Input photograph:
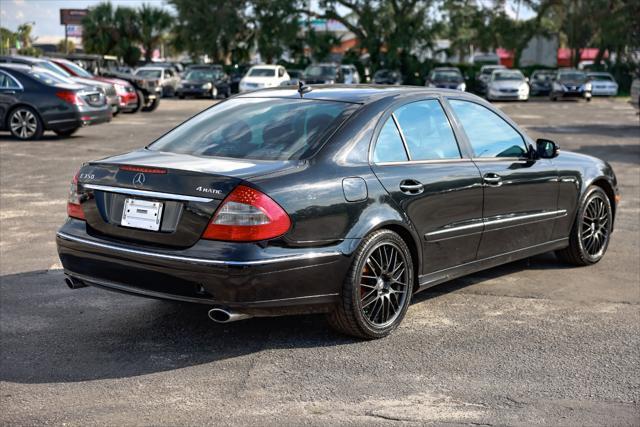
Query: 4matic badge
x,y
208,190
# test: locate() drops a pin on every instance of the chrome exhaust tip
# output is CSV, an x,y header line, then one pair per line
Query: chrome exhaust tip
x,y
222,315
74,283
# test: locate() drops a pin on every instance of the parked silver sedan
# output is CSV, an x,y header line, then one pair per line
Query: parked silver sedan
x,y
602,84
508,85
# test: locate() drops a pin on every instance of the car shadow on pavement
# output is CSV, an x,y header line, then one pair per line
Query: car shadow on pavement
x,y
546,261
50,333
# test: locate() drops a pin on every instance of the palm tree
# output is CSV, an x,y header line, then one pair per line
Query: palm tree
x,y
154,24
99,32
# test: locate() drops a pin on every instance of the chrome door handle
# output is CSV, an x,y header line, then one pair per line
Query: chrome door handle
x,y
412,187
492,179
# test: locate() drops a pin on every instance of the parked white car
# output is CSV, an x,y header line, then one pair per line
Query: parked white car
x,y
602,84
168,79
261,76
351,75
507,85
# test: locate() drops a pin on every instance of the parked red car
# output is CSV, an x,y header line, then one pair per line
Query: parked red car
x,y
125,91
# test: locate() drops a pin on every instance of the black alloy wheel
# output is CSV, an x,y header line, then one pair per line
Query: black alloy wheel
x,y
591,231
378,288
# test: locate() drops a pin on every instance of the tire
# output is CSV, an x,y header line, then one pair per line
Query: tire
x,y
25,124
591,230
589,99
369,289
151,107
65,133
553,98
138,106
181,96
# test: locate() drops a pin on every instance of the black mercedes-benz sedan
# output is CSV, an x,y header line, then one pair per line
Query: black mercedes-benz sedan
x,y
344,200
33,100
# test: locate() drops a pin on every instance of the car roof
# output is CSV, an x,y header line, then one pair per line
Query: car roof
x,y
15,66
358,94
273,67
446,69
19,59
151,68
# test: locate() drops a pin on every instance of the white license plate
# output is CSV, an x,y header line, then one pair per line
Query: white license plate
x,y
142,214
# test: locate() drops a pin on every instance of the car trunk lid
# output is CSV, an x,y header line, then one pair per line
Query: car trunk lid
x,y
184,192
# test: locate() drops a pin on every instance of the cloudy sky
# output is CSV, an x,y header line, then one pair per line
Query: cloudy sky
x,y
46,13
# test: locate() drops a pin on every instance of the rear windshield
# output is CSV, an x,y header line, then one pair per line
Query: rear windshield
x,y
262,72
153,74
446,75
257,128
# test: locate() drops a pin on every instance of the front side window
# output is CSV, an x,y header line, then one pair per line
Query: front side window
x,y
427,131
257,129
389,147
488,134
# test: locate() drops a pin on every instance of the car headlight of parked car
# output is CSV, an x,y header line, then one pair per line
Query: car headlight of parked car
x,y
207,86
462,87
524,88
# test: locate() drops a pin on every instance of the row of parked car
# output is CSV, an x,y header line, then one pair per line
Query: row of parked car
x,y
496,82
61,95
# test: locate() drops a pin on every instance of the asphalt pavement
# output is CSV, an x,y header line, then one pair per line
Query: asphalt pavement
x,y
531,342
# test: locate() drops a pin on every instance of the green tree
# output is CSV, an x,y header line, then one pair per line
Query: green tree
x,y
388,30
67,47
226,40
7,40
276,25
154,25
100,32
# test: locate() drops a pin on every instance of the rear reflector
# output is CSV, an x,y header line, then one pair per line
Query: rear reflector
x,y
247,215
142,169
74,209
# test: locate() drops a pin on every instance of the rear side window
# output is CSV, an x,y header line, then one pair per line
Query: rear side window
x,y
7,82
258,128
488,134
389,147
427,131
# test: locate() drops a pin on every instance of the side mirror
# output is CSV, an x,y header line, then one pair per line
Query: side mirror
x,y
546,149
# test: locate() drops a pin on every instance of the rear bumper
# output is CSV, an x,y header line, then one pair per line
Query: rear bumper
x,y
81,118
267,281
193,92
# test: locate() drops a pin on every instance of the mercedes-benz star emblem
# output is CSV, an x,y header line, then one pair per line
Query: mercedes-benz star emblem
x,y
139,179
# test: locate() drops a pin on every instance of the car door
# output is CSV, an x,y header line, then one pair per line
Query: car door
x,y
520,193
10,92
417,159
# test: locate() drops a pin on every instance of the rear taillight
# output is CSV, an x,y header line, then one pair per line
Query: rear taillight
x,y
247,215
70,97
74,210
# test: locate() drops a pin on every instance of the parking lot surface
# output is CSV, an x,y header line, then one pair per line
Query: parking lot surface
x,y
532,342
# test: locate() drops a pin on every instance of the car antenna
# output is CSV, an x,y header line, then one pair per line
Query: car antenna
x,y
302,88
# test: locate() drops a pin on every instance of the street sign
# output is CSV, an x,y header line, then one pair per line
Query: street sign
x,y
72,16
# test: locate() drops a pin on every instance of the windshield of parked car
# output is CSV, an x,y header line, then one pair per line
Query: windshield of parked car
x,y
48,78
489,70
446,75
320,70
53,68
601,77
257,128
262,72
149,73
507,75
542,76
203,75
80,72
572,75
